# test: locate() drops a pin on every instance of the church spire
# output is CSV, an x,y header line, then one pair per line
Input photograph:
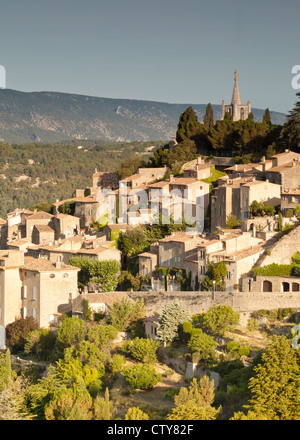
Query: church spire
x,y
236,99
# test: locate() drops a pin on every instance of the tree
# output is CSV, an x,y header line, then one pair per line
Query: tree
x,y
203,344
218,319
142,349
208,119
196,402
133,241
102,273
40,342
7,374
103,407
142,376
71,332
275,385
232,222
290,133
267,117
129,167
187,125
215,273
136,413
171,318
67,404
123,314
16,332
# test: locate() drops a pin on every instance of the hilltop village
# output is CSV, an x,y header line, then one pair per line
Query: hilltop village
x,y
133,256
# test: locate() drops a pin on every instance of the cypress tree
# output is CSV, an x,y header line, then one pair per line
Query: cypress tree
x,y
208,119
267,117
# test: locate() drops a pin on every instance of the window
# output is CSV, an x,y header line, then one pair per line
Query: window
x,y
34,293
24,292
178,259
24,312
34,313
52,275
169,262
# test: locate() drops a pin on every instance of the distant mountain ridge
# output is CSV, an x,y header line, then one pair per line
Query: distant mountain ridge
x,y
54,116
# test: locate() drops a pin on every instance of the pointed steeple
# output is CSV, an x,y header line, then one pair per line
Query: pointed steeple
x,y
236,99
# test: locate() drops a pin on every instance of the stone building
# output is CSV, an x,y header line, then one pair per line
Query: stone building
x,y
35,287
234,196
236,108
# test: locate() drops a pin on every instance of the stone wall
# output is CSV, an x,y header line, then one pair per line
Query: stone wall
x,y
197,302
283,250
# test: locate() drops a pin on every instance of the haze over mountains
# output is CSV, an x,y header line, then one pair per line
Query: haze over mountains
x,y
54,116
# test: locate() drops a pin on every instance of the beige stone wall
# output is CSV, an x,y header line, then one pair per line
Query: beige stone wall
x,y
10,295
56,294
283,250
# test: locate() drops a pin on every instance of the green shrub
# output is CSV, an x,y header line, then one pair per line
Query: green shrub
x,y
141,349
232,346
17,331
141,376
244,351
186,330
117,363
95,388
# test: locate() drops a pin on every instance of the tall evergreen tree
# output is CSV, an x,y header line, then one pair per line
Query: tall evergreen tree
x,y
290,133
208,119
187,125
267,117
275,386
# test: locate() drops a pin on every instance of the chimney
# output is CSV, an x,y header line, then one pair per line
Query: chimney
x,y
171,178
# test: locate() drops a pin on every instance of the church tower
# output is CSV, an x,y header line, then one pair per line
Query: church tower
x,y
236,108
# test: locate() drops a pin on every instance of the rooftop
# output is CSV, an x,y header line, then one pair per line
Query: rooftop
x,y
43,265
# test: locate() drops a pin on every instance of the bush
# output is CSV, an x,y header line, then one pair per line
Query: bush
x,y
186,330
244,351
143,377
141,349
17,331
117,363
136,413
219,319
95,387
232,346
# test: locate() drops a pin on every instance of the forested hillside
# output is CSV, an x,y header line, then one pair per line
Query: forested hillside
x,y
36,173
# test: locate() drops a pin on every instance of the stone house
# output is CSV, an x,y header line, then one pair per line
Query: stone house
x,y
86,210
238,250
148,262
35,287
42,234
290,198
234,196
65,226
75,247
15,227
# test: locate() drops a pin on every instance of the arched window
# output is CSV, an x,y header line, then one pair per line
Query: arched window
x,y
242,114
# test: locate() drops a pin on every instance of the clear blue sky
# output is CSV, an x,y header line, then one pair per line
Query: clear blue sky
x,y
160,50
